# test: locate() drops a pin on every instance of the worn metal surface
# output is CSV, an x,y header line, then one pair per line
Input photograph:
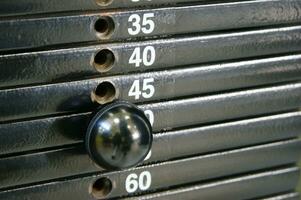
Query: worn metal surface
x,y
55,132
53,30
291,196
21,7
244,187
75,97
207,117
268,181
76,63
46,166
248,186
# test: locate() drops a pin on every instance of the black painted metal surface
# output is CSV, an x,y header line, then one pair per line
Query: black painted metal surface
x,y
245,187
248,186
59,131
75,97
291,196
218,80
30,168
21,7
53,30
77,63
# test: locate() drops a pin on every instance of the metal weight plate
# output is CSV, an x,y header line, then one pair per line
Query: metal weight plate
x,y
219,82
244,187
62,163
123,58
22,7
75,97
41,31
40,134
248,186
291,196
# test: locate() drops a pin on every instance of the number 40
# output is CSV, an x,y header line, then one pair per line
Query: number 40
x,y
148,56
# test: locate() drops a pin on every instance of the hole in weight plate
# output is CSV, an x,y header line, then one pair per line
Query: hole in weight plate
x,y
104,26
102,188
104,93
104,2
104,60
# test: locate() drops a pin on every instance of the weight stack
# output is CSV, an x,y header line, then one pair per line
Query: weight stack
x,y
216,84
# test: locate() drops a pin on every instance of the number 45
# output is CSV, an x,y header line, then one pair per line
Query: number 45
x,y
147,90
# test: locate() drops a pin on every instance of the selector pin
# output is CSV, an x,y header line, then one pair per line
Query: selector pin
x,y
119,136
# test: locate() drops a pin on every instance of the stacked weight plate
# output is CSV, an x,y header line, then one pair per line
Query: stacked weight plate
x,y
219,81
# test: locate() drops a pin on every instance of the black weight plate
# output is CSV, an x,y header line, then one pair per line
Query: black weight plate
x,y
22,7
75,63
75,97
245,187
59,131
43,166
248,186
53,30
291,196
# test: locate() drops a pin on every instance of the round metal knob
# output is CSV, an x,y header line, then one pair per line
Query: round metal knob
x,y
119,136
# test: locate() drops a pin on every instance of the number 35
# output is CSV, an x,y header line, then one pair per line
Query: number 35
x,y
147,25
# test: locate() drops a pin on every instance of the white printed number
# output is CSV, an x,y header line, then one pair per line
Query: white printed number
x,y
147,59
147,25
150,115
146,91
148,156
134,182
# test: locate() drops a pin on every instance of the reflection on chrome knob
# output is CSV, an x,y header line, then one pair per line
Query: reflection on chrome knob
x,y
119,136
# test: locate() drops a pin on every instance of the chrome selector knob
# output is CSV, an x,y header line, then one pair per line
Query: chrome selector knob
x,y
119,136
